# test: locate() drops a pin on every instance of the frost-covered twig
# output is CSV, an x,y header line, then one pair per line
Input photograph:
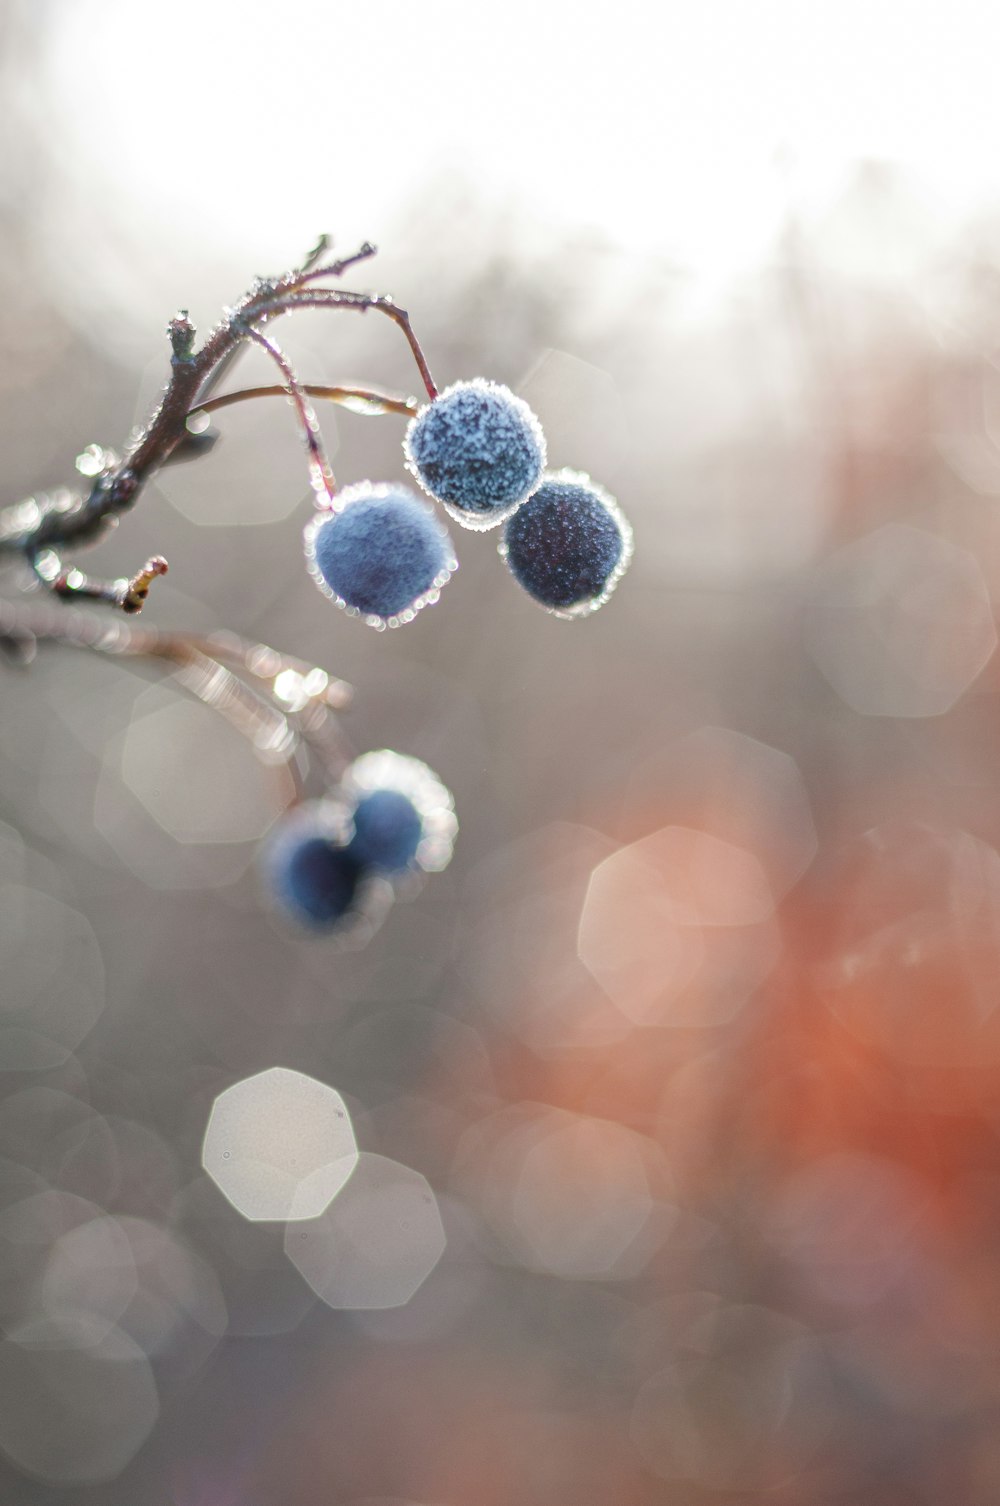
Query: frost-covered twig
x,y
38,529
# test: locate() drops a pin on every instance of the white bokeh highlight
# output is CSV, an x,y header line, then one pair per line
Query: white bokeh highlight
x,y
279,1145
376,1244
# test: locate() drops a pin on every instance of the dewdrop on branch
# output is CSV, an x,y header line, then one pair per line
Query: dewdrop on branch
x,y
478,450
381,553
568,545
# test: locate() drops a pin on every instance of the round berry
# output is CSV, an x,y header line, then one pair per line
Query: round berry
x,y
387,831
404,818
382,554
568,545
477,449
312,876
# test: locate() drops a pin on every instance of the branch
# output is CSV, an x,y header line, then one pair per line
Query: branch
x,y
38,528
127,593
287,704
318,298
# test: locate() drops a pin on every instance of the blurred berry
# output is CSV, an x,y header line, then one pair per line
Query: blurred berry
x,y
568,545
314,879
387,831
478,449
382,554
404,818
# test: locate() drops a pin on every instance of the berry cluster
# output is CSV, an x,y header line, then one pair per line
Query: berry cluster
x,y
334,864
381,553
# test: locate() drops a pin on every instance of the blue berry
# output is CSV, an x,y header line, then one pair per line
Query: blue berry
x,y
477,449
382,554
568,545
404,818
314,879
387,831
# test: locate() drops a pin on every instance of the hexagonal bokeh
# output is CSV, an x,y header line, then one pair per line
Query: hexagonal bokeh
x,y
54,990
208,804
79,1399
900,622
677,928
376,1244
739,789
744,1404
254,475
849,1223
192,831
577,1197
279,1145
913,949
519,945
582,1196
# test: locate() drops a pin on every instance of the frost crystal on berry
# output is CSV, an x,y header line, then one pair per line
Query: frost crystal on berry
x,y
568,545
477,449
382,554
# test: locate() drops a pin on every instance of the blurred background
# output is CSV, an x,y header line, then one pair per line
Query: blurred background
x,y
696,1044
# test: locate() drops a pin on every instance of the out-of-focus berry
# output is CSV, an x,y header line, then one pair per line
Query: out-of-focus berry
x,y
568,545
382,554
387,831
311,875
477,449
404,818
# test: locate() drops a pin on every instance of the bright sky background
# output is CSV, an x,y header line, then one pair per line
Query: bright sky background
x,y
689,129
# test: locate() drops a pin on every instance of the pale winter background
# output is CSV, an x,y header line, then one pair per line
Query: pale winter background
x,y
697,1042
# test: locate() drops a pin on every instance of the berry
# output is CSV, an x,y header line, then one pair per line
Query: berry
x,y
313,877
387,831
568,545
382,554
477,449
404,818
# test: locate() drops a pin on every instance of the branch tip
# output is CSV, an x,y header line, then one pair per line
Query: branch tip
x,y
182,334
137,589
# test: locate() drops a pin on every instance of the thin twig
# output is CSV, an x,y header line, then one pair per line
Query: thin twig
x,y
320,471
317,298
45,524
312,273
289,703
357,399
127,593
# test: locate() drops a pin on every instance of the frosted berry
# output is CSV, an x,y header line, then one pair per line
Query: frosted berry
x,y
382,554
404,818
311,875
477,449
568,545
